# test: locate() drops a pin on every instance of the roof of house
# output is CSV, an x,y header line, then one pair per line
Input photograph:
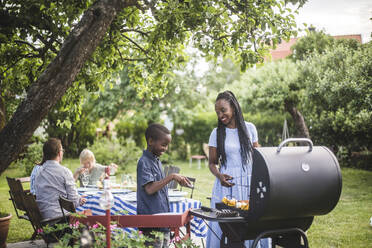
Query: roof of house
x,y
284,48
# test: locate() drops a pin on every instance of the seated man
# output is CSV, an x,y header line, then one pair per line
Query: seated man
x,y
53,180
32,177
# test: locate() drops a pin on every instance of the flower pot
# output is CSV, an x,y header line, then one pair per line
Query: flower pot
x,y
4,228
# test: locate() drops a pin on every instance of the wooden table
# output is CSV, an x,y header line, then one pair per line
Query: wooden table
x,y
128,209
172,221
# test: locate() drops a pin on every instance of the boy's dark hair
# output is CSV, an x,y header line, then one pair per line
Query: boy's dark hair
x,y
245,143
155,131
51,148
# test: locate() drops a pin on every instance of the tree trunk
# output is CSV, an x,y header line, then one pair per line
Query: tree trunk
x,y
298,119
2,113
57,77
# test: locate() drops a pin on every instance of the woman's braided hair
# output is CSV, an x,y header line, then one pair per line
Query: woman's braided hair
x,y
245,144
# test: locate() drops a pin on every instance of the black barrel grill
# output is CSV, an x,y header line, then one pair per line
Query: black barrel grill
x,y
290,185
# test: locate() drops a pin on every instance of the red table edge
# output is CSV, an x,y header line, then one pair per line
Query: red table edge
x,y
172,221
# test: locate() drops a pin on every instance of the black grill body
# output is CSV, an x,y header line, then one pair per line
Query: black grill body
x,y
290,185
294,182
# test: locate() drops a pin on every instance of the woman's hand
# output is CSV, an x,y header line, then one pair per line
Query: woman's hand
x,y
79,172
224,180
112,165
83,200
83,170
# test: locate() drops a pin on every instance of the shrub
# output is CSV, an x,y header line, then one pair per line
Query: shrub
x,y
269,127
198,131
32,156
81,235
111,151
74,137
132,130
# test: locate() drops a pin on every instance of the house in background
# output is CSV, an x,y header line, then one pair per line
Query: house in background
x,y
284,49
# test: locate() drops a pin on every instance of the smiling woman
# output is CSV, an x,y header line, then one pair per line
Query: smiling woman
x,y
230,158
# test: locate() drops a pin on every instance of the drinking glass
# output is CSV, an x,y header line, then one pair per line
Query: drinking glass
x,y
123,180
112,170
130,180
84,179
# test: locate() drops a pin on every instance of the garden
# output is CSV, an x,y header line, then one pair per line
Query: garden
x,y
101,91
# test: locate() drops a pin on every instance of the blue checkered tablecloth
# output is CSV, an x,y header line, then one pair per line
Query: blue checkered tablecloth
x,y
124,207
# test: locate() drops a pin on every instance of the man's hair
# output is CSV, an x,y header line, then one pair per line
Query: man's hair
x,y
155,131
51,148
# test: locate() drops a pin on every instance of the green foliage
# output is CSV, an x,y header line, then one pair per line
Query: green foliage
x,y
198,131
330,86
222,74
3,214
111,151
32,156
134,130
148,39
268,87
30,38
339,97
269,90
313,42
316,42
76,132
269,127
118,236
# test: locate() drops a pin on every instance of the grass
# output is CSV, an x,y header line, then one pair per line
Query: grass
x,y
346,226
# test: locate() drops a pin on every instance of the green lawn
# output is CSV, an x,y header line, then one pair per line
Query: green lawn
x,y
346,226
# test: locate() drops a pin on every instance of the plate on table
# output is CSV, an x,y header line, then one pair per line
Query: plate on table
x,y
92,188
115,185
176,199
121,191
89,192
176,193
132,187
130,197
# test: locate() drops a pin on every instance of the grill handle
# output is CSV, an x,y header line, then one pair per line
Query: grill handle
x,y
310,143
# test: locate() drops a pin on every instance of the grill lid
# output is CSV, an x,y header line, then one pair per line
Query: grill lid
x,y
292,182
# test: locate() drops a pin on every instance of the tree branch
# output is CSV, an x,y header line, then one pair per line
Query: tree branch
x,y
135,30
218,38
135,43
138,59
48,44
26,43
29,55
57,77
117,48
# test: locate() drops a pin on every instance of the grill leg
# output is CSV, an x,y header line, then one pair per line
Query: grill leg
x,y
226,243
287,238
289,241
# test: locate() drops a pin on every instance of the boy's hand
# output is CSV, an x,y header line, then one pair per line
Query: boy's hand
x,y
183,181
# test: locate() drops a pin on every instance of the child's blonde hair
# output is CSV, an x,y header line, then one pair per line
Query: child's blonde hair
x,y
86,155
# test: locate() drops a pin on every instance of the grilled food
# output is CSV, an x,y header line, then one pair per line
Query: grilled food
x,y
243,204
